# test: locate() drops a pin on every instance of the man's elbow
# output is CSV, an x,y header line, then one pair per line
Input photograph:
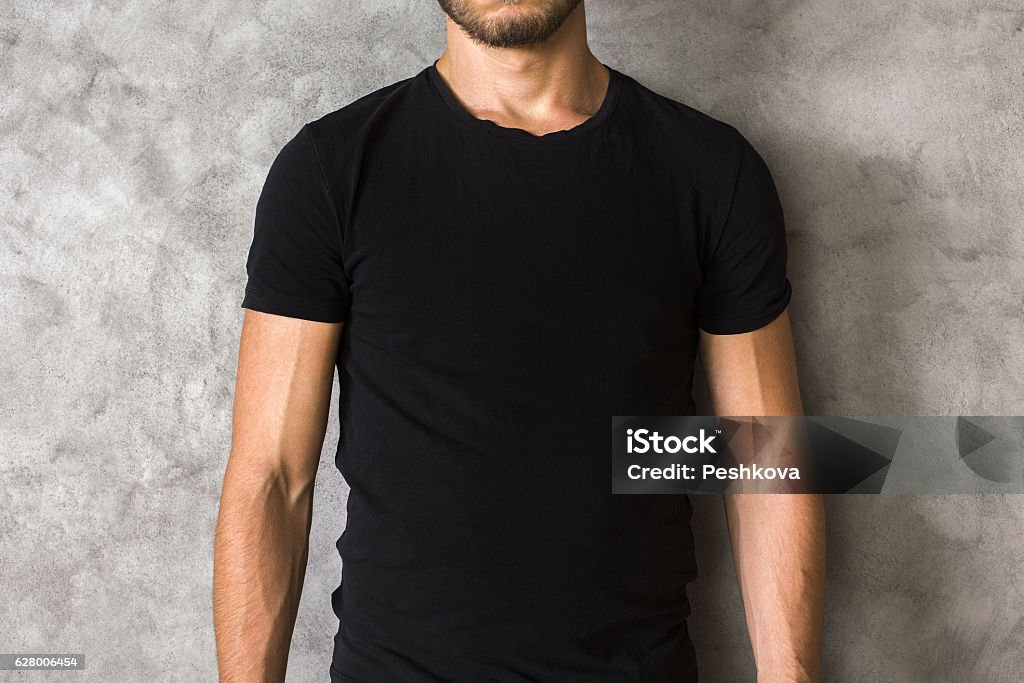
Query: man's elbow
x,y
275,479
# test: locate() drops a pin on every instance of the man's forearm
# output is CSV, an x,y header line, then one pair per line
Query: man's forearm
x,y
259,565
779,545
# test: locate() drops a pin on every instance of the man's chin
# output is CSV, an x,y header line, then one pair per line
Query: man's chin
x,y
507,25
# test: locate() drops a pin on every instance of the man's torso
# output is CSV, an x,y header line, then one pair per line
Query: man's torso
x,y
509,295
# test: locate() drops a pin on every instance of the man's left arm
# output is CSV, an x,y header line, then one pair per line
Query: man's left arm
x,y
778,540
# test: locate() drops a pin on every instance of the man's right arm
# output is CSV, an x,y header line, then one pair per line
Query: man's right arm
x,y
282,401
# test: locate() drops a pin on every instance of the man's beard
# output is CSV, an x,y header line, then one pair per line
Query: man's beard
x,y
526,28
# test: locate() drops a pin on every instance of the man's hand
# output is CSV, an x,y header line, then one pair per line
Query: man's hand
x,y
778,540
282,401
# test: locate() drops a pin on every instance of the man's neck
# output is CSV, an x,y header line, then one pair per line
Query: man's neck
x,y
540,88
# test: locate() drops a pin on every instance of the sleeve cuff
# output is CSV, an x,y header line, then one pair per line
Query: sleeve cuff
x,y
318,310
746,323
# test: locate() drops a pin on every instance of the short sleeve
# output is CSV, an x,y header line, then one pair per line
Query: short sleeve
x,y
295,265
744,285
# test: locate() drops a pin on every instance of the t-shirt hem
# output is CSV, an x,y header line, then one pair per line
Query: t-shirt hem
x,y
317,310
338,677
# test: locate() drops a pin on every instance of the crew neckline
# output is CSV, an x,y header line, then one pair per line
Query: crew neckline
x,y
486,125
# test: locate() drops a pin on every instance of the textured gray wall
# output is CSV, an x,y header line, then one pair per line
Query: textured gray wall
x,y
134,138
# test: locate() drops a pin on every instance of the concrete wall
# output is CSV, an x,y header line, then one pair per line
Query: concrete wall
x,y
135,135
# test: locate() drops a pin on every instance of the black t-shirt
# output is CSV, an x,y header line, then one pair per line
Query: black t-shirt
x,y
503,295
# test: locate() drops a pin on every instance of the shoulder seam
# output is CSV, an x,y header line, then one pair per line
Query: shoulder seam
x,y
326,188
734,181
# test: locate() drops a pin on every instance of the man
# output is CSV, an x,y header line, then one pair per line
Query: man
x,y
498,254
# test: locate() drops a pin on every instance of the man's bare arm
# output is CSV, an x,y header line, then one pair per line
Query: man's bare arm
x,y
282,400
778,540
